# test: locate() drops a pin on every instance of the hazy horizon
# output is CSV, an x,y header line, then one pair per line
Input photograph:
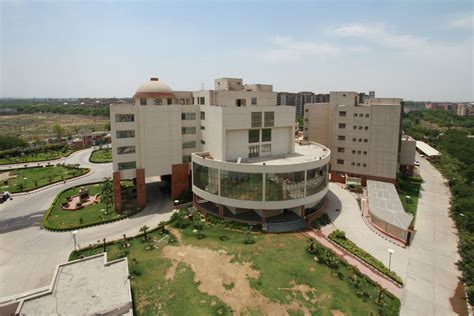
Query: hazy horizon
x,y
419,51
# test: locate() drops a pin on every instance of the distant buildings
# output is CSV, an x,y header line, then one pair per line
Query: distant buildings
x,y
298,100
8,111
465,109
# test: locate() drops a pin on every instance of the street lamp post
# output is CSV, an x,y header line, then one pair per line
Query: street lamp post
x,y
74,233
390,252
465,219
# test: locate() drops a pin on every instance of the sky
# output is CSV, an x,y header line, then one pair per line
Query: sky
x,y
415,50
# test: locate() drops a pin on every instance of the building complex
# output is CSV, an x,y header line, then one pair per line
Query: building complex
x,y
238,143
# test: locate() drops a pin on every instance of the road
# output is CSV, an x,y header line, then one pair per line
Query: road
x,y
29,254
432,275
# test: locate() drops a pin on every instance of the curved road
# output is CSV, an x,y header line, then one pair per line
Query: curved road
x,y
29,254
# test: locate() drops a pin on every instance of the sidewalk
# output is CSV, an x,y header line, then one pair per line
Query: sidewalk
x,y
364,268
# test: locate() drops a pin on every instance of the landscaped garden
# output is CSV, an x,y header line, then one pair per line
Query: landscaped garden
x,y
33,156
27,179
101,155
73,209
202,268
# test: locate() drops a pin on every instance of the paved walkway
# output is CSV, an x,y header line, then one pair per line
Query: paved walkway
x,y
364,268
432,275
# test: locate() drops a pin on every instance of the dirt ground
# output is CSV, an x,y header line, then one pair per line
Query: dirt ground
x,y
213,270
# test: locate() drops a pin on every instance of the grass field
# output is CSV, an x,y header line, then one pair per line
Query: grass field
x,y
33,178
39,125
41,156
405,188
101,156
201,276
93,214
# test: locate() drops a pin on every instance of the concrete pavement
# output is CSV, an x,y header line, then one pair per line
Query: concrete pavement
x,y
432,275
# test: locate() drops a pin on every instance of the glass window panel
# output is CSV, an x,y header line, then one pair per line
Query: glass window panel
x,y
266,135
205,178
241,185
269,119
122,150
125,134
127,165
188,130
188,116
254,136
189,144
124,117
284,186
316,180
256,119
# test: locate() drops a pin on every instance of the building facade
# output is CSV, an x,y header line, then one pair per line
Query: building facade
x,y
364,135
237,142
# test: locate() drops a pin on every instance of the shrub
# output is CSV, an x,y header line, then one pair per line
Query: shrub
x,y
224,237
200,236
78,204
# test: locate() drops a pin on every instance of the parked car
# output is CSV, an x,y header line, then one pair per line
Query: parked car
x,y
416,163
4,196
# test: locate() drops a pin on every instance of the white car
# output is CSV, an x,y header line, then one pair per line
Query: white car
x,y
416,163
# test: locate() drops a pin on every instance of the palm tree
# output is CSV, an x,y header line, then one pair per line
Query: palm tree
x,y
144,230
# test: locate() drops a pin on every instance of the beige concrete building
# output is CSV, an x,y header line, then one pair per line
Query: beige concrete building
x,y
363,133
244,160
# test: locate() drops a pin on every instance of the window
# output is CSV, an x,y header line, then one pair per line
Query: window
x,y
203,115
181,101
306,110
189,144
354,139
269,119
256,119
188,130
142,101
342,113
367,115
187,158
342,125
122,150
203,128
353,151
127,165
340,161
266,135
355,127
170,101
358,164
124,118
340,149
341,137
361,115
266,148
254,101
126,134
366,128
360,139
241,185
254,151
353,164
316,180
203,142
365,153
365,140
205,178
284,186
355,114
364,165
358,152
202,100
158,101
254,136
360,127
188,116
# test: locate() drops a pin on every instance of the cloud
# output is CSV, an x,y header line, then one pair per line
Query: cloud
x,y
382,35
290,50
466,22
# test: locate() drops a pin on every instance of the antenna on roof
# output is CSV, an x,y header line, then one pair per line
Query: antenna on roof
x,y
202,85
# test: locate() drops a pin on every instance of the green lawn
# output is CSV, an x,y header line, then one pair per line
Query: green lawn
x,y
282,261
33,178
93,214
101,156
41,156
406,187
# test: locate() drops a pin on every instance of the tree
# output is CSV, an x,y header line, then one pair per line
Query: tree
x,y
162,226
107,194
20,186
144,230
58,130
11,141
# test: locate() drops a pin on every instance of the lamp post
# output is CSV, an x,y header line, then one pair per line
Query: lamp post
x,y
464,218
74,233
390,252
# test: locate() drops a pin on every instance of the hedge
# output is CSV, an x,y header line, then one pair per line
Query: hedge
x,y
339,238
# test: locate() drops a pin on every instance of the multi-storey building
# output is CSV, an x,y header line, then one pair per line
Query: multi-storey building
x,y
465,109
364,135
237,142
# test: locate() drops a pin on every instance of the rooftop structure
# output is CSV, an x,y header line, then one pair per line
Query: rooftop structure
x,y
89,286
386,210
426,149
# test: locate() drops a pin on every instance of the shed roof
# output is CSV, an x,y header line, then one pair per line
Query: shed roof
x,y
426,149
385,203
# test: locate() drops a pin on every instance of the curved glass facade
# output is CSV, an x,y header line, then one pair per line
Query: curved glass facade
x,y
206,178
316,180
241,185
284,186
